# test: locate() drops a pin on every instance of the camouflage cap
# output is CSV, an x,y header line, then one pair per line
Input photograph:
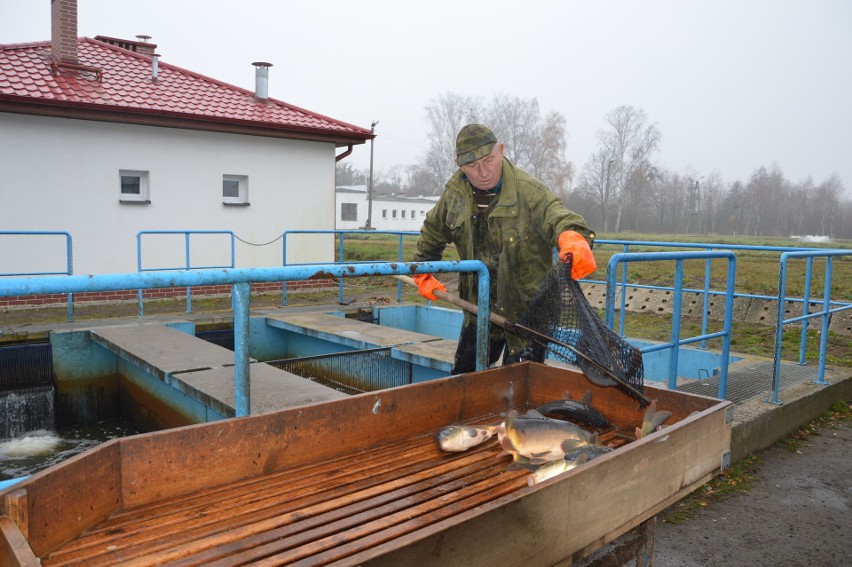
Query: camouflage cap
x,y
474,142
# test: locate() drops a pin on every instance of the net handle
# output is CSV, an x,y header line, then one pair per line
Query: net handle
x,y
517,329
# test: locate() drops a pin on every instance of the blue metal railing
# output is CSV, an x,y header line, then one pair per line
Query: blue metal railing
x,y
342,233
825,313
676,341
706,292
187,258
69,259
241,279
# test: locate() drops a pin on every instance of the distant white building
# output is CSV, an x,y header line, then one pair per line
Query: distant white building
x,y
388,213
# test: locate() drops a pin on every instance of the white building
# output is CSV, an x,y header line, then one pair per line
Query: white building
x,y
100,139
404,214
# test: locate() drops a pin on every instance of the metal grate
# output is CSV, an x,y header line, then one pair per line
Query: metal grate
x,y
25,366
352,371
223,337
752,381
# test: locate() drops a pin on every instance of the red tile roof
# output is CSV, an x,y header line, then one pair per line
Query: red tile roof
x,y
126,93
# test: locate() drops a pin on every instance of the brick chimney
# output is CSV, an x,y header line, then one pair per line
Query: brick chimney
x,y
63,26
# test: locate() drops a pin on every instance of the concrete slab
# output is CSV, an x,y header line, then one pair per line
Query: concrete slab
x,y
161,350
439,354
349,332
271,389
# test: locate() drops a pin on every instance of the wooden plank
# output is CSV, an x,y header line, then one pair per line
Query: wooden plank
x,y
565,514
72,496
18,511
154,465
361,481
14,549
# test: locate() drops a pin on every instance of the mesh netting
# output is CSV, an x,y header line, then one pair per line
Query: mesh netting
x,y
566,324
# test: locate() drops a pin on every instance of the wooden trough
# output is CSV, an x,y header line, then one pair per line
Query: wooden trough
x,y
360,481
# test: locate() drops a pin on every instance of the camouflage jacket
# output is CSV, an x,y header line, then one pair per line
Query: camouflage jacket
x,y
523,226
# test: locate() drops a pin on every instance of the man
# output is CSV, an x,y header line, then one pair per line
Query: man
x,y
498,213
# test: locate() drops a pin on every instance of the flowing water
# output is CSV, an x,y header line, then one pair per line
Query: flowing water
x,y
37,450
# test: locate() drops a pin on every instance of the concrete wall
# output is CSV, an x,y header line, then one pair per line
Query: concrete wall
x,y
63,175
746,309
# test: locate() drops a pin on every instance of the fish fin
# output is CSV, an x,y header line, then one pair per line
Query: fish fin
x,y
638,433
659,418
595,439
534,413
570,445
582,458
587,397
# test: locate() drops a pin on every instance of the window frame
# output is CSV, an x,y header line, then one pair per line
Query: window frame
x,y
242,198
143,197
347,210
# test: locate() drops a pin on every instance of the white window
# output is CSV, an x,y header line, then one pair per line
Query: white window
x,y
235,190
412,213
403,213
349,211
394,213
133,186
384,213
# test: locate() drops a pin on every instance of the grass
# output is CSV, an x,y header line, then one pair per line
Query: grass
x,y
740,477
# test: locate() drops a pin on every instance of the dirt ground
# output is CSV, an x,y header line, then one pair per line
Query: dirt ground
x,y
796,512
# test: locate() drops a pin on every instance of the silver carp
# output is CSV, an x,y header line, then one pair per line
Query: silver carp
x,y
457,438
540,439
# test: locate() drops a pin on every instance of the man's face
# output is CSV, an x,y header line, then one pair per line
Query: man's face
x,y
485,173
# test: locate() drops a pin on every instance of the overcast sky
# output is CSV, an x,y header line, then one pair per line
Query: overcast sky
x,y
732,84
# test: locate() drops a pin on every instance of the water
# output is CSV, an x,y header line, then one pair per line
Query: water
x,y
24,410
37,450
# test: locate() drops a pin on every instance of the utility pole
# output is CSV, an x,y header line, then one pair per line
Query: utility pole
x,y
370,186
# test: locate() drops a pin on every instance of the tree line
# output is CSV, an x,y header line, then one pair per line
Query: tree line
x,y
621,186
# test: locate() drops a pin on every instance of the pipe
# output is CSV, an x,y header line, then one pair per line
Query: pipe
x,y
261,79
344,154
155,66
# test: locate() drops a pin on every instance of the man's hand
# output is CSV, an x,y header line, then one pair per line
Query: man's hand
x,y
427,285
573,243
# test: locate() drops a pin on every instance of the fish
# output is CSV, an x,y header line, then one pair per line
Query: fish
x,y
457,438
580,411
652,420
540,439
554,468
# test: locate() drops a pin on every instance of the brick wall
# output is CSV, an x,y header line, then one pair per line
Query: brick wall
x,y
63,28
57,299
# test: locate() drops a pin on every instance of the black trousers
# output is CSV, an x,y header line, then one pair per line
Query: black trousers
x,y
465,360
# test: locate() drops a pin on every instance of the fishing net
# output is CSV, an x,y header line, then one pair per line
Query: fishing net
x,y
562,321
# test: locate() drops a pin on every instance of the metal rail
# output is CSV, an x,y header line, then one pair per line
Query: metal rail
x,y
825,313
676,341
187,258
240,280
69,259
342,233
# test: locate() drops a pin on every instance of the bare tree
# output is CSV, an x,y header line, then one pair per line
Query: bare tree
x,y
630,141
446,115
596,182
533,143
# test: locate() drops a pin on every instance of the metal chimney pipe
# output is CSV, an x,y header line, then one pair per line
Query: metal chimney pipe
x,y
155,66
261,79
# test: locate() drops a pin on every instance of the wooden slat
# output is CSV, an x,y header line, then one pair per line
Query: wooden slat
x,y
361,481
14,549
17,510
310,494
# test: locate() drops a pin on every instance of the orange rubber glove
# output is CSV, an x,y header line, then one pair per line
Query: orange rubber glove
x,y
427,285
573,243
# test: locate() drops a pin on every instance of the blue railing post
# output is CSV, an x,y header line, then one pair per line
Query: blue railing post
x,y
677,304
241,301
69,259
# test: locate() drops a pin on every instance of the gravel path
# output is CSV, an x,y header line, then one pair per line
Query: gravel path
x,y
797,512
